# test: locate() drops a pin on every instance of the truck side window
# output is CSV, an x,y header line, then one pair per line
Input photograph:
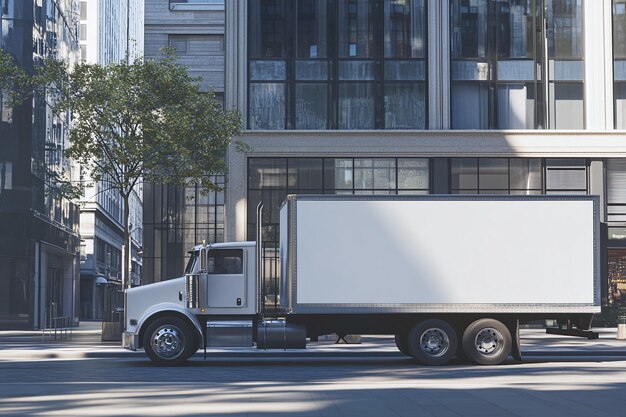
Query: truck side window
x,y
225,262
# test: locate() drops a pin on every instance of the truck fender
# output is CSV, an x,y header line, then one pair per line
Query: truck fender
x,y
516,350
165,308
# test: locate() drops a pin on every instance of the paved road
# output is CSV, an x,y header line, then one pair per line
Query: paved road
x,y
359,384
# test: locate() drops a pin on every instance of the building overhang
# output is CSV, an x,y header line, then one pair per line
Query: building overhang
x,y
436,143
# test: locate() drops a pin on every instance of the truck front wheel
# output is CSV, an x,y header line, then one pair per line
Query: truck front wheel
x,y
487,342
432,342
169,341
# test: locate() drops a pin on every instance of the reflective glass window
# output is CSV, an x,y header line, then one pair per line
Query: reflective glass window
x,y
321,64
498,66
356,28
268,27
311,106
312,28
405,29
267,106
405,106
464,174
356,105
565,25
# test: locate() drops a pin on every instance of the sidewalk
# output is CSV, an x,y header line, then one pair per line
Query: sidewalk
x,y
86,343
80,342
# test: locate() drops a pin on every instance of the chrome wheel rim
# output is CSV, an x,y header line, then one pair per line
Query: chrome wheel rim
x,y
434,342
167,342
489,341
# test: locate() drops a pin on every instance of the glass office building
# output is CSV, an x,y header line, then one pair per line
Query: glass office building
x,y
39,241
424,96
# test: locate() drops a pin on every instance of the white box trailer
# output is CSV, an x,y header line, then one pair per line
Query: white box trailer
x,y
446,275
513,254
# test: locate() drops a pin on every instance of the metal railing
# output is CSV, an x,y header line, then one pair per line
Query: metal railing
x,y
56,327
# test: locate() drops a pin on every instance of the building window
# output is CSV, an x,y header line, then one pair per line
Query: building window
x,y
352,64
498,65
566,176
196,5
496,176
83,10
6,176
176,219
518,176
178,43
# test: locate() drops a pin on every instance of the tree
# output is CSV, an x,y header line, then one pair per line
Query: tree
x,y
15,83
146,120
17,87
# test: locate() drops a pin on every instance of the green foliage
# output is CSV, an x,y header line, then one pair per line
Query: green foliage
x,y
17,87
15,83
146,119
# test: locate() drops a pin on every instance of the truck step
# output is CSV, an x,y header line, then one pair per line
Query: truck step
x,y
229,333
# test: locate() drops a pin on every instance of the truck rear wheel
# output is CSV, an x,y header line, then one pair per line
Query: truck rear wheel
x,y
487,342
169,341
432,342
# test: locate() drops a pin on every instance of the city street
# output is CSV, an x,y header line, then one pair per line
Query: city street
x,y
353,380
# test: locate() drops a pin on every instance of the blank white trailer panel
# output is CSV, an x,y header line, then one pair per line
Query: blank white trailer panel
x,y
440,253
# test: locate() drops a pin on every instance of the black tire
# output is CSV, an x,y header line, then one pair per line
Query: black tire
x,y
169,341
487,342
432,342
400,339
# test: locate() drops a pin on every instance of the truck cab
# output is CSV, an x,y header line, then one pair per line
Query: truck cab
x,y
170,319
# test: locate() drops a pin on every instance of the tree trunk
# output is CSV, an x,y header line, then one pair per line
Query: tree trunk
x,y
126,274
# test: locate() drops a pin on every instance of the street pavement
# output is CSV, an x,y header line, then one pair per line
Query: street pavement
x,y
559,377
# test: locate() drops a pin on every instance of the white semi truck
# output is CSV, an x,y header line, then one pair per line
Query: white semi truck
x,y
446,275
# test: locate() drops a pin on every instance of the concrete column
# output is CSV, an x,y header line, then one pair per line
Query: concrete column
x,y
438,64
235,95
236,53
597,184
598,65
236,198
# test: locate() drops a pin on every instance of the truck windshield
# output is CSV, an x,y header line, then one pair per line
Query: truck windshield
x,y
192,260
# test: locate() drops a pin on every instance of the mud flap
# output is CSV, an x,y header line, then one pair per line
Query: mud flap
x,y
516,350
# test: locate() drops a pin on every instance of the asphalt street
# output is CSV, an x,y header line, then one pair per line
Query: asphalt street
x,y
354,384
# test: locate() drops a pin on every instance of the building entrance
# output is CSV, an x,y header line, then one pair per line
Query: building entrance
x,y
54,294
617,277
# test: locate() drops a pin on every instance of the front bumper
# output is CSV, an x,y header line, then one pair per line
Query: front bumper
x,y
130,341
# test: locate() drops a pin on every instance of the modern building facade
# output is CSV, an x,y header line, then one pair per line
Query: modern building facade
x,y
176,218
39,236
110,32
418,97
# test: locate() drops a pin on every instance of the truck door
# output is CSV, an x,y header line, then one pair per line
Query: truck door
x,y
226,280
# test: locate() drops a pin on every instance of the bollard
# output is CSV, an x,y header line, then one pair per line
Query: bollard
x,y
621,325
